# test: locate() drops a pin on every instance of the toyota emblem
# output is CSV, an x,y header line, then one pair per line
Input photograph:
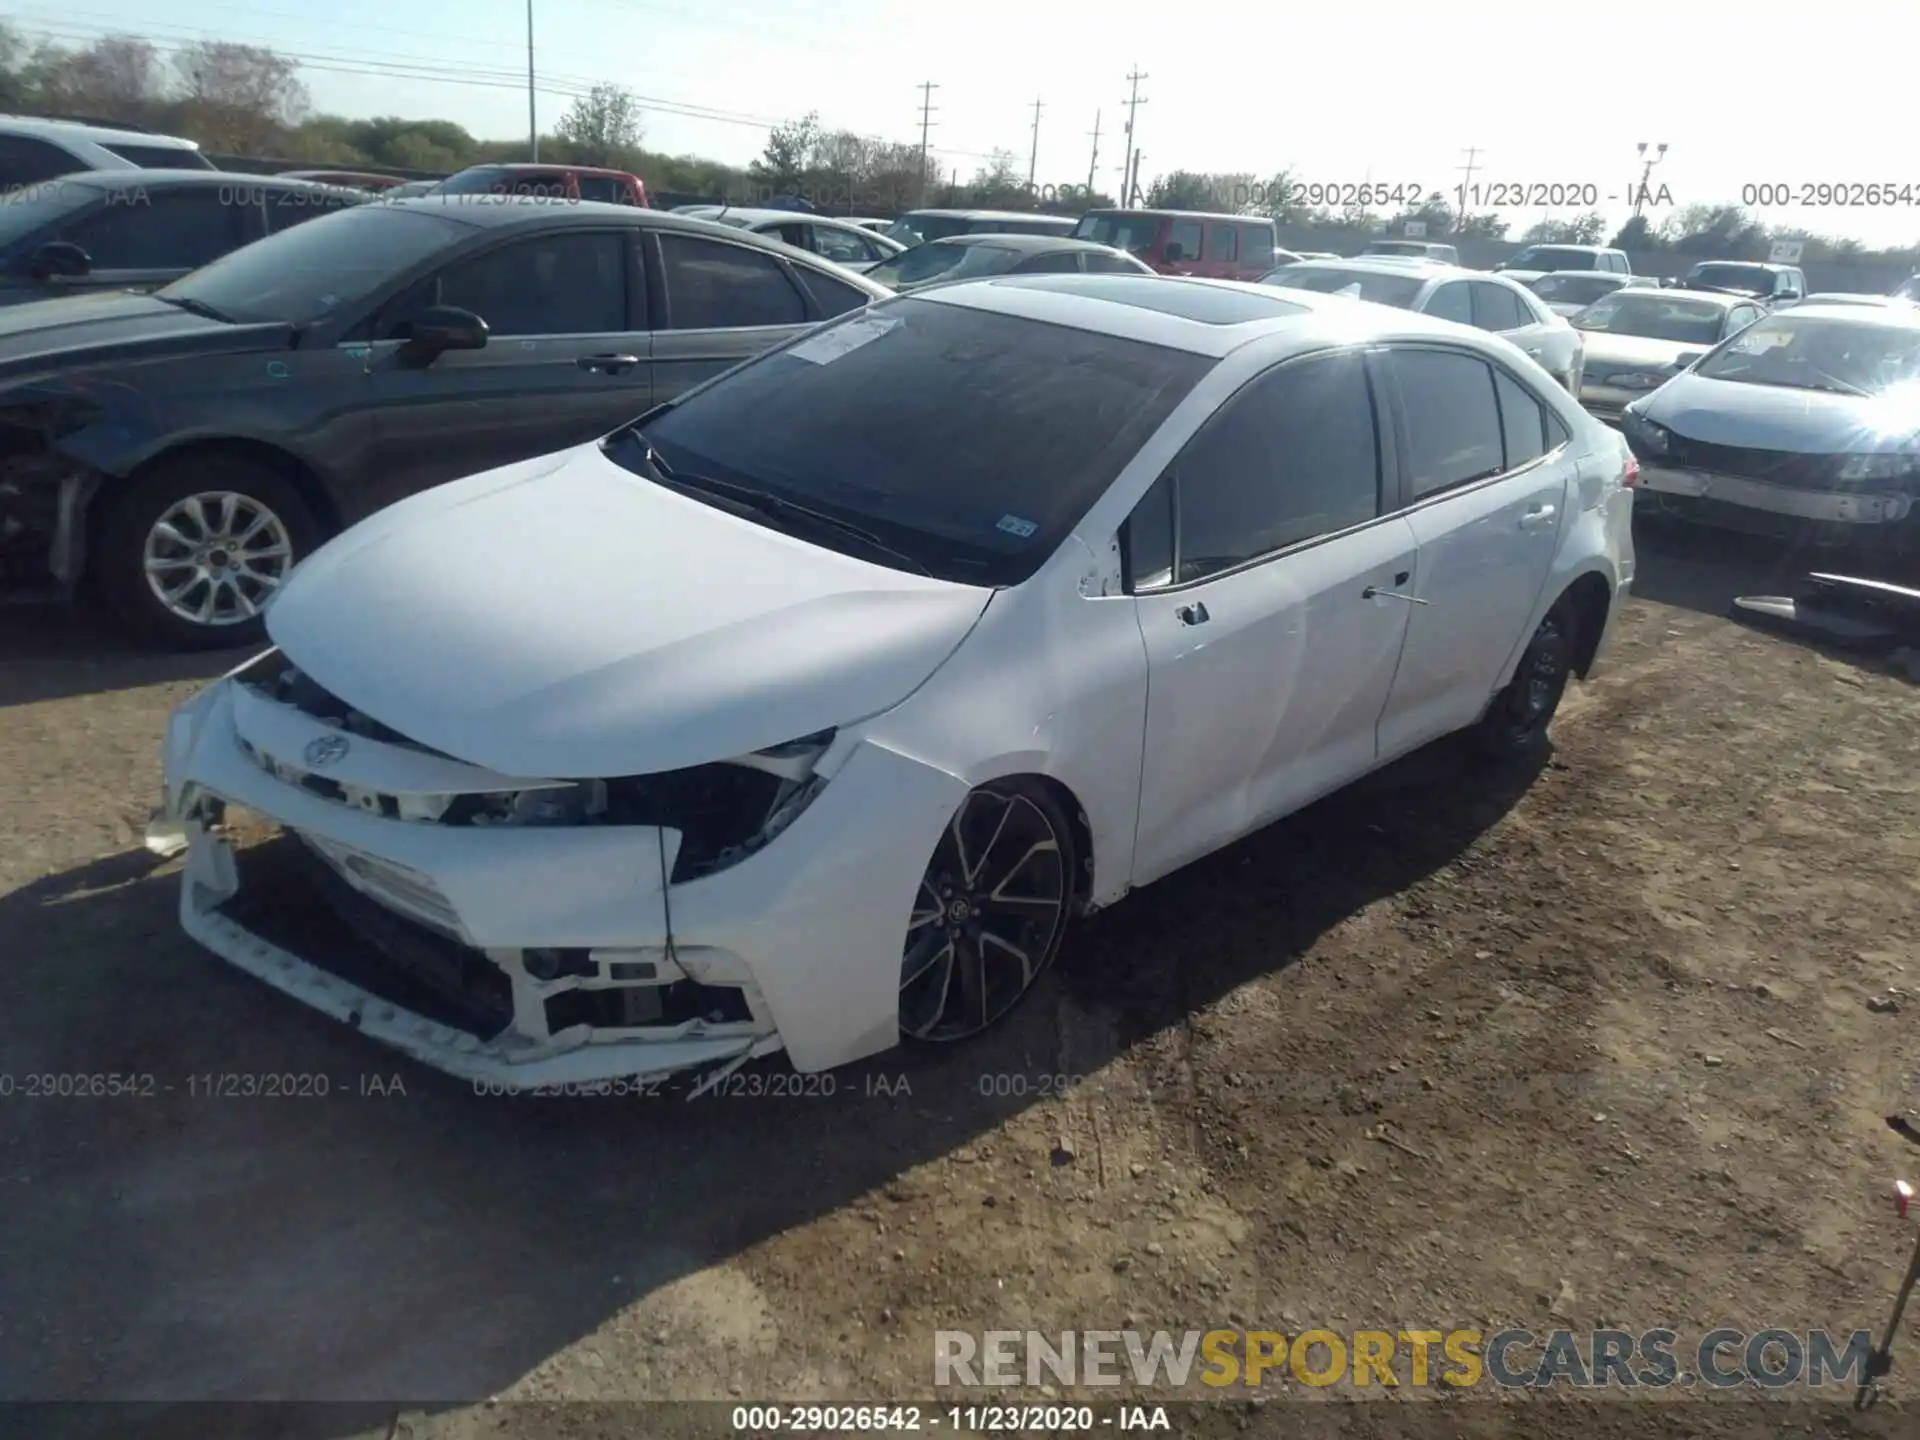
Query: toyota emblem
x,y
325,750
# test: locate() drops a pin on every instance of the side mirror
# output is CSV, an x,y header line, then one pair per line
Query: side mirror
x,y
1175,252
1687,359
439,328
61,260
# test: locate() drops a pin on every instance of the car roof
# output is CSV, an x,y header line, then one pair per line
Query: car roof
x,y
1025,242
557,167
1182,214
993,215
1906,317
1204,317
158,179
1568,245
98,134
1586,275
1398,265
1744,265
758,214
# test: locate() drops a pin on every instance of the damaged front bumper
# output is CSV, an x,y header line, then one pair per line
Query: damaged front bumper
x,y
593,963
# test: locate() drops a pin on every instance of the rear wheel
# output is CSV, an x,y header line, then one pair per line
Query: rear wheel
x,y
192,552
1516,723
990,913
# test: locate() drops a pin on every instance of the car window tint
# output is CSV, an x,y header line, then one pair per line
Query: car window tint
x,y
1101,264
834,297
714,286
842,247
25,161
564,284
159,230
1451,302
1185,234
1054,262
1292,456
1223,242
1523,421
1497,308
1453,421
1256,245
1148,538
603,188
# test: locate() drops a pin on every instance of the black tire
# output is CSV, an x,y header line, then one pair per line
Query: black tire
x,y
1515,724
976,945
119,566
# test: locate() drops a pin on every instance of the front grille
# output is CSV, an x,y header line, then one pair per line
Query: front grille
x,y
1776,467
288,895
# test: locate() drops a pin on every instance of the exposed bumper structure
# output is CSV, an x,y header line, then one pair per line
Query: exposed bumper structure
x,y
585,961
1827,507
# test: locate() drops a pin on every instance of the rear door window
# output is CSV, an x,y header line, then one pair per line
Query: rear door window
x,y
715,286
1497,308
1223,242
1451,302
1454,434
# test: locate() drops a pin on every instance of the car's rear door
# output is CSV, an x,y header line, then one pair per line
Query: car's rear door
x,y
1256,564
566,357
715,304
1485,475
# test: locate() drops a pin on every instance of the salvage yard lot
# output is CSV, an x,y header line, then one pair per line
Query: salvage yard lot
x,y
1612,1018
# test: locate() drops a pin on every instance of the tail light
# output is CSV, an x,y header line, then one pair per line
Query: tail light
x,y
1630,477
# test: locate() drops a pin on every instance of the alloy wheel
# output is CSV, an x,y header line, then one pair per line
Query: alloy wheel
x,y
989,915
214,558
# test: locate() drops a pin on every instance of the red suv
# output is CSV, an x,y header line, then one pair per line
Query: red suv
x,y
1184,242
559,182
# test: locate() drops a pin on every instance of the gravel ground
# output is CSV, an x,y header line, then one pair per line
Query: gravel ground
x,y
1603,1043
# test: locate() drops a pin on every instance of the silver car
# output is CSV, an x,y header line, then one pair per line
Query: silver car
x,y
1447,292
845,242
1639,339
1802,424
1567,292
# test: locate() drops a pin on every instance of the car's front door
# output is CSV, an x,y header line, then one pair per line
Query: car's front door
x,y
717,304
1263,566
1486,471
566,359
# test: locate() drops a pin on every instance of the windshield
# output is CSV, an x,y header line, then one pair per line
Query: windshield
x,y
913,228
1574,289
1909,289
1846,356
1750,278
1395,247
1132,233
1553,257
160,157
1685,322
937,261
492,179
318,267
969,442
1400,290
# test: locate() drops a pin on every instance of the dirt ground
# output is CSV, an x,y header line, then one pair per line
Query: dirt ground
x,y
1608,1043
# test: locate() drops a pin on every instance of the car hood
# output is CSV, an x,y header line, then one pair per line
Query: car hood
x,y
1773,417
1635,351
111,325
568,618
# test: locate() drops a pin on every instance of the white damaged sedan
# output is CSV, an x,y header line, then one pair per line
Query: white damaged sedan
x,y
804,713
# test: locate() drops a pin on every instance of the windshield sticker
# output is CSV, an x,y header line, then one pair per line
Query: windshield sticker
x,y
826,348
1014,525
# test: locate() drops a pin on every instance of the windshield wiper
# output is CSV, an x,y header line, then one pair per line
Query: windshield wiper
x,y
196,307
786,514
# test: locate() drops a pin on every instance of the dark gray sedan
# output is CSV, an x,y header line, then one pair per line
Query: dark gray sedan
x,y
185,449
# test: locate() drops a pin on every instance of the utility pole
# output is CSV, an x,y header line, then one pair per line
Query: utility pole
x,y
1466,185
1093,165
1640,194
926,120
1133,180
533,123
1134,102
1033,161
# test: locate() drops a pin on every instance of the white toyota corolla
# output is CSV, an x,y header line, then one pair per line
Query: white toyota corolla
x,y
806,712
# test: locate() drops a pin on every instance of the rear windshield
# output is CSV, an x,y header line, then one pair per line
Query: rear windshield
x,y
160,157
1574,289
1749,278
1400,290
1554,257
912,228
1132,233
924,263
1652,316
1395,247
498,180
971,443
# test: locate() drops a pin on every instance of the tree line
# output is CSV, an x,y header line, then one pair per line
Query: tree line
x,y
248,100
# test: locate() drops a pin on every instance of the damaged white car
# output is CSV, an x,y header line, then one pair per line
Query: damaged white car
x,y
804,713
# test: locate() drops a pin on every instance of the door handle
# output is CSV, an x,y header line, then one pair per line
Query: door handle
x,y
1537,517
611,363
1195,614
1374,592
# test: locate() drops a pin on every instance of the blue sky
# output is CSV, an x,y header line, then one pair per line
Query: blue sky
x,y
1548,94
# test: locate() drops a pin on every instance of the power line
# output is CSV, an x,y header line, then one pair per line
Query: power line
x,y
926,88
1033,160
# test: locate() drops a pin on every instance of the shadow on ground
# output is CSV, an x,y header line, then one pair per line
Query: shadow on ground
x,y
52,652
171,1245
